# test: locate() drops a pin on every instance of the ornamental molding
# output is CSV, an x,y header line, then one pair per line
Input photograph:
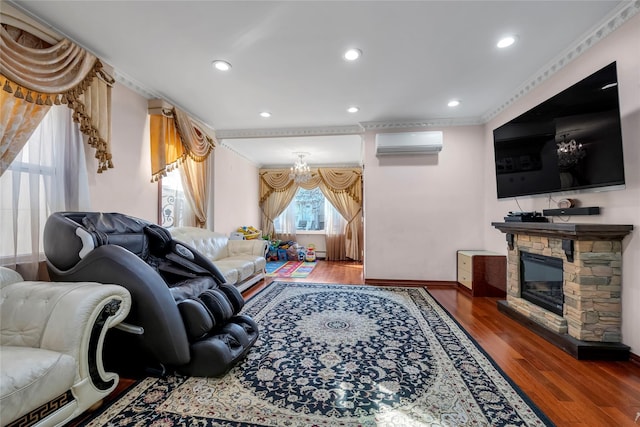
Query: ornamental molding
x,y
289,132
427,123
134,85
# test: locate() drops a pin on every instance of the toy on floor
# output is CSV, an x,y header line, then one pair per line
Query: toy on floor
x,y
310,255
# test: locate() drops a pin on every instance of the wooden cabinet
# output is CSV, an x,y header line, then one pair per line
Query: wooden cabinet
x,y
482,273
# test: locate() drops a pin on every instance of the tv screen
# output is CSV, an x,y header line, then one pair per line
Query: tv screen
x,y
572,141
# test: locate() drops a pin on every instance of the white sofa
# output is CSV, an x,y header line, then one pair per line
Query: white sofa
x,y
242,262
51,340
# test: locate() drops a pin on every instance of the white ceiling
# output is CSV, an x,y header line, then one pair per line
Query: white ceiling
x,y
286,59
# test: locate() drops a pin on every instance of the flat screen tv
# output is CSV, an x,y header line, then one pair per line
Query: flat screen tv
x,y
570,142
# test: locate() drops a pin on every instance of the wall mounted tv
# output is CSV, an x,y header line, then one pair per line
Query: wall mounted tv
x,y
572,141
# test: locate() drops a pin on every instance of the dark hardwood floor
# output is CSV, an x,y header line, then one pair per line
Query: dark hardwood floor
x,y
569,391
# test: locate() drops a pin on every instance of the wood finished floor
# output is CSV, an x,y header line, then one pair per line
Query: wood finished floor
x,y
569,391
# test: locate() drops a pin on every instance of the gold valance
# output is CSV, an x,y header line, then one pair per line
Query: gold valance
x,y
174,137
338,180
43,73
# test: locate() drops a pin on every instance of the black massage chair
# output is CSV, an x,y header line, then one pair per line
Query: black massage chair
x,y
184,318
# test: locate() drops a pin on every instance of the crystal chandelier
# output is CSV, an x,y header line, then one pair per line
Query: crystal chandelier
x,y
300,171
570,153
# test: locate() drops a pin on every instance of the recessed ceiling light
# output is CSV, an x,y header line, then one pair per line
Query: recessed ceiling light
x,y
221,65
453,103
352,54
506,42
353,109
265,114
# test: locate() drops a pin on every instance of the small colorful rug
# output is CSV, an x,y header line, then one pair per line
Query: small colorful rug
x,y
273,266
295,269
332,355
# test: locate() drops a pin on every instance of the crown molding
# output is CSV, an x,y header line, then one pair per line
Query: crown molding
x,y
427,123
623,13
134,85
288,132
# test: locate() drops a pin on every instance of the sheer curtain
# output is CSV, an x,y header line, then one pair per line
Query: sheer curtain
x,y
334,227
285,224
49,174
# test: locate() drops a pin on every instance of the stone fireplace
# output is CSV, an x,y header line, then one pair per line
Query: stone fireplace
x,y
588,322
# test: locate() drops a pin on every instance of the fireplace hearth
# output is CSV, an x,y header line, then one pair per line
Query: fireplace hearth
x,y
564,281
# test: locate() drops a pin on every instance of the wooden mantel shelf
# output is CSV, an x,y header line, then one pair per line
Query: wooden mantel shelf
x,y
571,231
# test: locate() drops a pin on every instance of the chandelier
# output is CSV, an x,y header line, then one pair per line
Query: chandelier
x,y
300,171
570,153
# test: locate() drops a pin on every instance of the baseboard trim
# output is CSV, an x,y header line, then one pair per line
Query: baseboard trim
x,y
412,283
634,358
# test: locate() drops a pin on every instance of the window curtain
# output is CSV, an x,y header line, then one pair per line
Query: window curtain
x,y
287,223
277,190
177,140
341,186
49,174
47,72
335,238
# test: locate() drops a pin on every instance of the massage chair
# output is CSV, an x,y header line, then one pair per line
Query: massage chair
x,y
183,319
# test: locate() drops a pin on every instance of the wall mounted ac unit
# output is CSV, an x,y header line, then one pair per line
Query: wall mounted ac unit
x,y
406,143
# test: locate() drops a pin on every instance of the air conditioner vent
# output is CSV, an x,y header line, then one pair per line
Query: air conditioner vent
x,y
408,143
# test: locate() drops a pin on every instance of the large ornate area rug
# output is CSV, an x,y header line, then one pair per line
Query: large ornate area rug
x,y
340,355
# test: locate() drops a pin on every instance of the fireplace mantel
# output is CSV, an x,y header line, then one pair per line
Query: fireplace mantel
x,y
566,230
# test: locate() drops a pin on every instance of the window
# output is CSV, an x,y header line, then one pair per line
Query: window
x,y
309,209
174,208
306,212
49,174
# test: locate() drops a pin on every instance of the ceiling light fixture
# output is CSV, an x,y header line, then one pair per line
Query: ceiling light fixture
x,y
221,65
353,109
453,103
506,42
265,114
300,171
352,54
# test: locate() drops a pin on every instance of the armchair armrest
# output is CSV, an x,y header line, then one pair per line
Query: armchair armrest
x,y
70,318
257,247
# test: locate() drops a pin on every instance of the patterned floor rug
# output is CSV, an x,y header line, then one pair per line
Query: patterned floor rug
x,y
297,269
340,355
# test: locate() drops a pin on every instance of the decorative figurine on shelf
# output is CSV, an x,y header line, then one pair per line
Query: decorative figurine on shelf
x,y
310,255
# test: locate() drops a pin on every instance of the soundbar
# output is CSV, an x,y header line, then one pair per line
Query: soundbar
x,y
593,210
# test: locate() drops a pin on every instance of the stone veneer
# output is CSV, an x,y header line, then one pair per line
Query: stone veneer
x,y
592,285
592,276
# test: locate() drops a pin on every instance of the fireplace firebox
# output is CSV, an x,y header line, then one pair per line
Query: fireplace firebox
x,y
541,281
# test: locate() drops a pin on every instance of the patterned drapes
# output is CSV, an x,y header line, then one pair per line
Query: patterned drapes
x,y
177,139
35,74
341,186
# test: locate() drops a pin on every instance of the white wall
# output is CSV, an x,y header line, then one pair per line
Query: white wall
x,y
236,191
419,210
618,207
126,188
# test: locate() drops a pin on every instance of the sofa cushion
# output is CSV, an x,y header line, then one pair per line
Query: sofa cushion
x,y
259,262
50,374
231,275
210,244
245,268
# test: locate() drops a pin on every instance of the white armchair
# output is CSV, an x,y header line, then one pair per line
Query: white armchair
x,y
51,342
